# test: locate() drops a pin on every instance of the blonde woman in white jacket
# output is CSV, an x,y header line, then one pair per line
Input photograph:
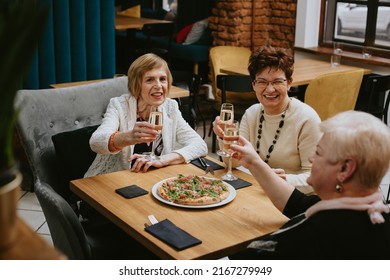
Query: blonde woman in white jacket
x,y
125,133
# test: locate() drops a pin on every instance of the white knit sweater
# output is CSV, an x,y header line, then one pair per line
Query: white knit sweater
x,y
297,140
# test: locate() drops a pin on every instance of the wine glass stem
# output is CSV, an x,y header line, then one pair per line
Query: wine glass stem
x,y
230,165
153,148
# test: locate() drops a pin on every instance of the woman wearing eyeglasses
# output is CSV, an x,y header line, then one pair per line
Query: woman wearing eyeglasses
x,y
283,130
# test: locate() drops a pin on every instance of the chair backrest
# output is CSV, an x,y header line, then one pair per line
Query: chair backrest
x,y
48,112
101,240
377,87
241,84
225,56
65,228
191,82
330,94
151,30
188,80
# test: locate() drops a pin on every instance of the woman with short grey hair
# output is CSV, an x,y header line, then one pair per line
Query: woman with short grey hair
x,y
347,218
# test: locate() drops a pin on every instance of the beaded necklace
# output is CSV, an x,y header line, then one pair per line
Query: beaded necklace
x,y
271,148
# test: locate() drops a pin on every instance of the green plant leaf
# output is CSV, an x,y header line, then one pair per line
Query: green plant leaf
x,y
21,24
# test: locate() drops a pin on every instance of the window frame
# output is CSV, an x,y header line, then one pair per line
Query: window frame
x,y
326,36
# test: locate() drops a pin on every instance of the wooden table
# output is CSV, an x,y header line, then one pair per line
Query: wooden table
x,y
305,70
223,230
126,22
175,92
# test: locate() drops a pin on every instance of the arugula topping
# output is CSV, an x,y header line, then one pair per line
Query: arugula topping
x,y
183,187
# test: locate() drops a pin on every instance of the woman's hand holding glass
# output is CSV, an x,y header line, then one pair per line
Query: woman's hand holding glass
x,y
244,152
142,132
154,127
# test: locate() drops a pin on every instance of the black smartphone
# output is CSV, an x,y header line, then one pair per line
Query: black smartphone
x,y
131,191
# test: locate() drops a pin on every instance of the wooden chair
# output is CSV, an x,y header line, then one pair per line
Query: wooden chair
x,y
225,56
189,106
377,104
330,94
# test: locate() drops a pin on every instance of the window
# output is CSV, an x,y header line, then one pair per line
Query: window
x,y
357,24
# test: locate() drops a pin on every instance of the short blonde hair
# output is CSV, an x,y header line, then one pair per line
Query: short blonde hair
x,y
142,65
363,137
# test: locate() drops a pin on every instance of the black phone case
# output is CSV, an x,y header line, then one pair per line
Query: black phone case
x,y
173,235
131,191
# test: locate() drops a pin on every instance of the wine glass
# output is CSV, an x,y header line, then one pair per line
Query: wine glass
x,y
231,133
226,116
155,118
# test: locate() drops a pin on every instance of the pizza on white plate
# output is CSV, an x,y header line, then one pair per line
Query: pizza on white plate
x,y
193,190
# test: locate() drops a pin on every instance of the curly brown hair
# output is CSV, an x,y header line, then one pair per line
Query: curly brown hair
x,y
272,57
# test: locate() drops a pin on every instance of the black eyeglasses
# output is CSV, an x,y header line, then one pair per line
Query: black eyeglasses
x,y
261,83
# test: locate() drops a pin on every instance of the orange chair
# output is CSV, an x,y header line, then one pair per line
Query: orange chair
x,y
225,56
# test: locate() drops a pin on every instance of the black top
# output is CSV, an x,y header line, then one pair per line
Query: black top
x,y
141,148
328,234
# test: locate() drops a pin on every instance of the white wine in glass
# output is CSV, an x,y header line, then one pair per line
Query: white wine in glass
x,y
155,118
231,133
226,116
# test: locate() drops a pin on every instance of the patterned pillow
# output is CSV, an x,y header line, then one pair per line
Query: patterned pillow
x,y
182,34
196,32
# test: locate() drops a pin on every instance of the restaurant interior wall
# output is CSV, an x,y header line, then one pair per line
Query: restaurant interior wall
x,y
253,23
78,44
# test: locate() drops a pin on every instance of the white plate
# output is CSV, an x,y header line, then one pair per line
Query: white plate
x,y
232,195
